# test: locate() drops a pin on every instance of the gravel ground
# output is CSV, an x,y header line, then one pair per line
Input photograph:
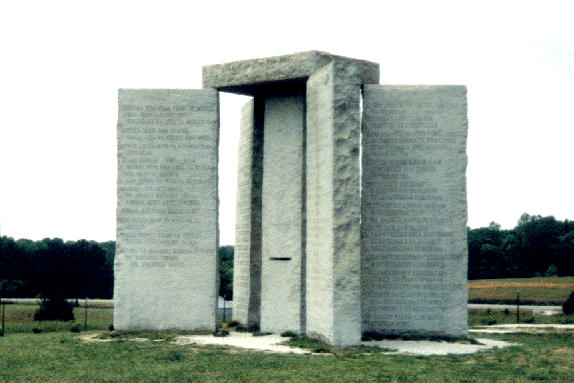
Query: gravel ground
x,y
506,328
270,343
244,340
425,347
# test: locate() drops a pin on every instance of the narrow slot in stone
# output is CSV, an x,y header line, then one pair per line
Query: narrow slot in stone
x,y
279,259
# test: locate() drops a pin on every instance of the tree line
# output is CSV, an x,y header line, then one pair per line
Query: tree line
x,y
54,268
537,246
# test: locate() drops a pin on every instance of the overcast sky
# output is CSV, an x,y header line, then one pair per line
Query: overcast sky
x,y
63,62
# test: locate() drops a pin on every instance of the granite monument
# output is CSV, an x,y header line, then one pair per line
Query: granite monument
x,y
351,202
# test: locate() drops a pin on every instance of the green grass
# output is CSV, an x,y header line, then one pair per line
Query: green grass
x,y
535,291
20,319
486,317
60,356
315,345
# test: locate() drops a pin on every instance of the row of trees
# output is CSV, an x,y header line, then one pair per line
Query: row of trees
x,y
537,246
52,267
73,269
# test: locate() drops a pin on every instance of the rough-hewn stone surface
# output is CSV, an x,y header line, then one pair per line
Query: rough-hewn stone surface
x,y
305,258
333,204
241,262
252,76
167,236
336,230
282,226
414,210
247,260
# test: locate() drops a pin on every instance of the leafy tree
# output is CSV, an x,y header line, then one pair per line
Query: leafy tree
x,y
11,288
536,246
539,244
512,253
226,272
525,217
51,267
565,254
494,226
108,269
552,271
484,252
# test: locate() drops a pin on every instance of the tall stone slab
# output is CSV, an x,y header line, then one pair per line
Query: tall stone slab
x,y
247,258
414,210
283,226
167,229
333,204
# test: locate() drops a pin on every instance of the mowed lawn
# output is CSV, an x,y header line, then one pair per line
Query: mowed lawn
x,y
537,291
19,318
57,354
62,357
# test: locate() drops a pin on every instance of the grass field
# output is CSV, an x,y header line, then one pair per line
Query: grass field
x,y
62,357
20,319
536,291
56,354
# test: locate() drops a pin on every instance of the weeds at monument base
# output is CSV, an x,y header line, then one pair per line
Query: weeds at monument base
x,y
374,335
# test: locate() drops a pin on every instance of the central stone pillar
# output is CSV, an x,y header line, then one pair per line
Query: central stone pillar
x,y
283,247
303,239
334,204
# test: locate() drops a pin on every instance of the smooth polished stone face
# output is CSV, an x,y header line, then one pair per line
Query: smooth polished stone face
x,y
282,282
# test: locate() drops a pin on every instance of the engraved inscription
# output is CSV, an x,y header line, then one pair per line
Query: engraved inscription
x,y
413,208
166,229
164,180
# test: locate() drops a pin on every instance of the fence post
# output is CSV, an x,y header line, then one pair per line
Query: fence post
x,y
86,314
517,307
3,308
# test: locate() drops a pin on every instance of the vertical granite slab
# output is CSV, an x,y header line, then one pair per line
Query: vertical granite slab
x,y
283,236
414,210
247,259
333,204
166,273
